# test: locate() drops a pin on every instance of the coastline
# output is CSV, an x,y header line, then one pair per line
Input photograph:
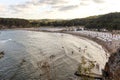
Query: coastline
x,y
105,45
102,43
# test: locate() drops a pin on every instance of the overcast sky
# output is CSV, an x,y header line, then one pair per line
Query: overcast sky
x,y
56,9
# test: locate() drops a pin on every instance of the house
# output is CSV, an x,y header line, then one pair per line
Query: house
x,y
80,28
75,28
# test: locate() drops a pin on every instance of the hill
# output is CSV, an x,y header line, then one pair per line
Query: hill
x,y
13,23
108,21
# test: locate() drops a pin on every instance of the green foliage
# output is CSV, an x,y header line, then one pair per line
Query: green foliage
x,y
85,68
109,21
13,23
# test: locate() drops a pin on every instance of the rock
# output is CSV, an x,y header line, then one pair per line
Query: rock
x,y
112,68
1,54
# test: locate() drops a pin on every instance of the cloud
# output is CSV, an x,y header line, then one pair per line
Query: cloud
x,y
52,2
2,8
17,8
61,5
98,1
69,7
46,2
57,8
87,2
25,7
83,4
30,4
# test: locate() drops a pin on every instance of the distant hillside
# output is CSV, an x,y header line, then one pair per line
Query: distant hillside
x,y
13,23
109,21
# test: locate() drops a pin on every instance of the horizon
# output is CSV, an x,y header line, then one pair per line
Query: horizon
x,y
58,19
56,9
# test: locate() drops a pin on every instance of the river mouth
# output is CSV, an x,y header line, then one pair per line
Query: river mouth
x,y
42,55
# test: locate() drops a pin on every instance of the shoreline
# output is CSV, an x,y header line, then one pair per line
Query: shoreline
x,y
100,42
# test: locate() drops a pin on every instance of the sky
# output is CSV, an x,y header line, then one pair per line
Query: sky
x,y
56,9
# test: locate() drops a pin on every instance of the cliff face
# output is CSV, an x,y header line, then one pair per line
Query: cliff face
x,y
112,68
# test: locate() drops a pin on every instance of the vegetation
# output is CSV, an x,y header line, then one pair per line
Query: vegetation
x,y
109,21
13,23
85,68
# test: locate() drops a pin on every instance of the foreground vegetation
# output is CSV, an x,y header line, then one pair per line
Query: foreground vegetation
x,y
108,21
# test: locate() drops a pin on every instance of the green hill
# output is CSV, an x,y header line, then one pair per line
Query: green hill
x,y
109,21
13,23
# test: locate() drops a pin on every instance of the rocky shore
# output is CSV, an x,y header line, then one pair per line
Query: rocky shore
x,y
1,54
112,68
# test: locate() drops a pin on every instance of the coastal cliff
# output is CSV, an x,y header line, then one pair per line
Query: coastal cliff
x,y
112,68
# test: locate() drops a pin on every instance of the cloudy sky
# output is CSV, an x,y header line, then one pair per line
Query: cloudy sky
x,y
56,9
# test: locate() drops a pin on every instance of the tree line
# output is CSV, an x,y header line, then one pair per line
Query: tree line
x,y
108,21
13,23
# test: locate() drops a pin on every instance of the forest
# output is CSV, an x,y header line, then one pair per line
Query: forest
x,y
109,21
13,23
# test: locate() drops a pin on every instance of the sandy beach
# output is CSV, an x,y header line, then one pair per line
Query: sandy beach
x,y
48,55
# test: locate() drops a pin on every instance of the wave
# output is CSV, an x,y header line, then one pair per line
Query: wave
x,y
4,41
